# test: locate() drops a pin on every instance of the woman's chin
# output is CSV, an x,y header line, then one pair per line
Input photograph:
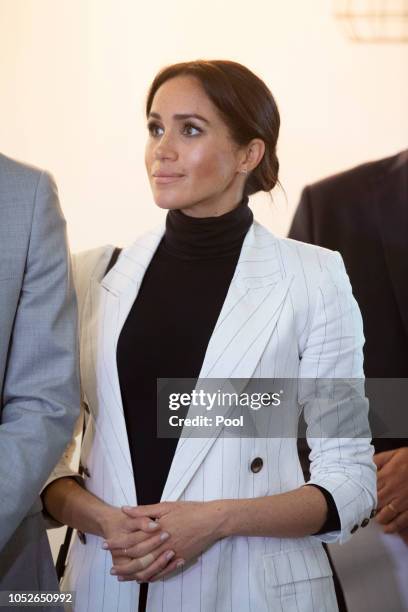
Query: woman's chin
x,y
167,203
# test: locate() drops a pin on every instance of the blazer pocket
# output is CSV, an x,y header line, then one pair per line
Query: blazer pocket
x,y
301,579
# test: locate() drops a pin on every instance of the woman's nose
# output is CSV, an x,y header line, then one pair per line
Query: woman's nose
x,y
165,149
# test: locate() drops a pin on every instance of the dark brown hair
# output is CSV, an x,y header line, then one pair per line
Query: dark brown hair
x,y
245,104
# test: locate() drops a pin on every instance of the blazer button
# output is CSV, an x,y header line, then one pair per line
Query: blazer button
x,y
373,512
82,537
365,522
256,465
354,529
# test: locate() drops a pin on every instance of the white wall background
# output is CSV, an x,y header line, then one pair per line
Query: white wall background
x,y
74,75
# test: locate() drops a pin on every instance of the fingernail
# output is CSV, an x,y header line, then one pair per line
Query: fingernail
x,y
105,545
153,525
164,535
113,572
126,507
180,563
121,578
170,555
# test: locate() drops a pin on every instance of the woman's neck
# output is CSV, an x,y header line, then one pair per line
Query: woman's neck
x,y
214,207
209,237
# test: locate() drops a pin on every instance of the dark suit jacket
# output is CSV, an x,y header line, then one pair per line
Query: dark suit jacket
x,y
363,214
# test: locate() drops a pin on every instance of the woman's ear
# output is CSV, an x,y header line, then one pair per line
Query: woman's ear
x,y
254,154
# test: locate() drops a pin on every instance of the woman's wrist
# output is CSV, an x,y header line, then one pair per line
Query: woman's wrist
x,y
105,517
220,516
295,513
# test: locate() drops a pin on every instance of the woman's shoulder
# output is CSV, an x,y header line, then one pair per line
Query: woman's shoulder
x,y
300,257
310,256
90,264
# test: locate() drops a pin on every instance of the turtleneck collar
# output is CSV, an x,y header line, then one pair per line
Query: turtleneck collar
x,y
209,237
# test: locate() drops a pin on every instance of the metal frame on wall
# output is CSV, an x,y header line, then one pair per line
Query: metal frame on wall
x,y
373,21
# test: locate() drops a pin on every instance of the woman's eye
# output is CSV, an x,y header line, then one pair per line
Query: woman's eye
x,y
152,128
190,126
188,129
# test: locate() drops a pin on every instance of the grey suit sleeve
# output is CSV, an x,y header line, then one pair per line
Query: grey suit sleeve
x,y
302,223
41,388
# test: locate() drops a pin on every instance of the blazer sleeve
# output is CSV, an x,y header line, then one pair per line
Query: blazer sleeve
x,y
331,391
67,466
41,386
302,224
84,266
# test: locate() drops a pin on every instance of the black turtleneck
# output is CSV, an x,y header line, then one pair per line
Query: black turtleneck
x,y
167,332
169,326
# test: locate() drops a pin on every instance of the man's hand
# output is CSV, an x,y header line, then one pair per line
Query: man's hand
x,y
392,485
191,527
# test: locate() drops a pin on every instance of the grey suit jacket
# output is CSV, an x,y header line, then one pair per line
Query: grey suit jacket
x,y
39,383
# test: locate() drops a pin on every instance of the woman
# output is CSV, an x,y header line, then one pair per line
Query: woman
x,y
211,295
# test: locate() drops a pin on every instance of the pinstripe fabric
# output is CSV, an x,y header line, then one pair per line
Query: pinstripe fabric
x,y
289,313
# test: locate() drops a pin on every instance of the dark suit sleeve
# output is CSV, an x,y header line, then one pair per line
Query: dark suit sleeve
x,y
302,223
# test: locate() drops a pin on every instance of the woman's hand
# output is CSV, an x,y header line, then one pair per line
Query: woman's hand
x,y
116,523
192,528
139,534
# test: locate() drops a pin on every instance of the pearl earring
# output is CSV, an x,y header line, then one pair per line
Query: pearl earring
x,y
244,171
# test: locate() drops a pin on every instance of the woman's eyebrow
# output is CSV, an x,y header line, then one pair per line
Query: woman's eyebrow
x,y
180,117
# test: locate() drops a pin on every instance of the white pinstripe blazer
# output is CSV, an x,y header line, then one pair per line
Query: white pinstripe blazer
x,y
289,313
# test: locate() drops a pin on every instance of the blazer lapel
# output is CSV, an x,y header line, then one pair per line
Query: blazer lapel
x,y
391,194
249,314
110,302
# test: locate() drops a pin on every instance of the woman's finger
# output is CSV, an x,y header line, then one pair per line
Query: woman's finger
x,y
148,545
125,540
128,540
174,565
133,566
160,563
152,510
144,523
118,561
142,568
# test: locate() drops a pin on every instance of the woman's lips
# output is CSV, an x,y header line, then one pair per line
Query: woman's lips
x,y
166,179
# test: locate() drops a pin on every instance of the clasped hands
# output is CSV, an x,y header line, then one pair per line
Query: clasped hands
x,y
148,542
392,485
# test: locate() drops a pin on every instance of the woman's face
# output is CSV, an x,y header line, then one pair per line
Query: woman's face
x,y
190,147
